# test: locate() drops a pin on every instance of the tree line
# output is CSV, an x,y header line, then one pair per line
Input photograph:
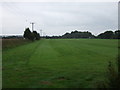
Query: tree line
x,y
78,34
110,35
74,34
87,34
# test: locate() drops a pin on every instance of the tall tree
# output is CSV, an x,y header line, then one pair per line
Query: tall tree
x,y
31,35
27,33
36,35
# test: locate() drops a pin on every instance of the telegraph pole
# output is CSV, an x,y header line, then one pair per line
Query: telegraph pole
x,y
32,23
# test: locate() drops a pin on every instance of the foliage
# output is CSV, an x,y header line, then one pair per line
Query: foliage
x,y
13,37
27,34
31,35
117,34
106,35
110,35
36,35
86,34
77,34
74,34
113,76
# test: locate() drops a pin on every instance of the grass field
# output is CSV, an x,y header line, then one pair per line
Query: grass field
x,y
58,63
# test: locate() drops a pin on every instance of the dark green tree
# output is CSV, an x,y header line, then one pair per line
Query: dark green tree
x,y
27,33
117,34
31,35
77,34
36,35
106,35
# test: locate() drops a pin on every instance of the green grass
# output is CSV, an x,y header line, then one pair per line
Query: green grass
x,y
58,63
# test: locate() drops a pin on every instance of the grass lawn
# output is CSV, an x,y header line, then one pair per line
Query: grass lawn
x,y
58,63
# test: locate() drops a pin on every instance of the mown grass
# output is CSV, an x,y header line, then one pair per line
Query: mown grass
x,y
58,63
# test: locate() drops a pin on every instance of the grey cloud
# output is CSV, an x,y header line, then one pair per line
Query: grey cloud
x,y
57,18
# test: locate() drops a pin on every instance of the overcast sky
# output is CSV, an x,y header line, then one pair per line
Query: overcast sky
x,y
57,18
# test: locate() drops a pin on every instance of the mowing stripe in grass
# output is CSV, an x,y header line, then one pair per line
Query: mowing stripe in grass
x,y
58,63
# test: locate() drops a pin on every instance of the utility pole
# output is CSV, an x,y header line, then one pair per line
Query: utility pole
x,y
32,23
